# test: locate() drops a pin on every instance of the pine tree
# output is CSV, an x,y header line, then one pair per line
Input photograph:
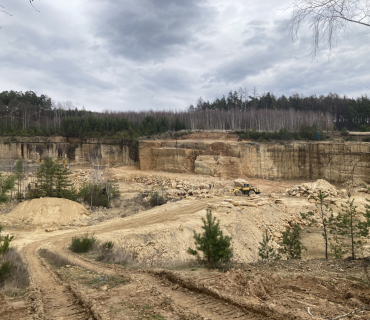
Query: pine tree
x,y
348,225
6,184
265,251
291,243
5,267
214,246
52,180
46,178
18,170
326,218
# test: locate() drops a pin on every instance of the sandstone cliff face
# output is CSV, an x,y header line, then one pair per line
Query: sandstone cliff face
x,y
335,162
114,152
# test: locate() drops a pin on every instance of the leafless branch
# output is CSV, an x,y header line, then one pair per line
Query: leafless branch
x,y
31,2
327,18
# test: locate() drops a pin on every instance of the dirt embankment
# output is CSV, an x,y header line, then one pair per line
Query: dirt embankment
x,y
163,235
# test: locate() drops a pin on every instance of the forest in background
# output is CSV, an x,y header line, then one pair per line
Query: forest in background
x,y
27,114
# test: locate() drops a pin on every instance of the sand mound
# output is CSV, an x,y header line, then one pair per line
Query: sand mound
x,y
47,212
321,184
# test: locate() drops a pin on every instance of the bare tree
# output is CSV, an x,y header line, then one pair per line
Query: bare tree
x,y
327,18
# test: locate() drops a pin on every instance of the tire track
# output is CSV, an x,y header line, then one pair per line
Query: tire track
x,y
51,298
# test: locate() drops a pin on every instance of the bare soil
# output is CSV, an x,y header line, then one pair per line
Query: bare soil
x,y
182,289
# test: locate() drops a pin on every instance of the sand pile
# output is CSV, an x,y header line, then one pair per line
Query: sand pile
x,y
321,184
312,189
45,212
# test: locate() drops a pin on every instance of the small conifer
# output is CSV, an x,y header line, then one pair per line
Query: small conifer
x,y
212,243
265,251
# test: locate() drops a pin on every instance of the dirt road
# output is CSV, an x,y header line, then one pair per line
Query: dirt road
x,y
187,294
56,300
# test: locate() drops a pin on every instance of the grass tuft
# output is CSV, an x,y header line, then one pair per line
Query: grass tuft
x,y
83,244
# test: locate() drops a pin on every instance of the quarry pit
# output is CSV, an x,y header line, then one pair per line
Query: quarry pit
x,y
194,173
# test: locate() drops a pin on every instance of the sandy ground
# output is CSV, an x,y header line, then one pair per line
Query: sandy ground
x,y
254,291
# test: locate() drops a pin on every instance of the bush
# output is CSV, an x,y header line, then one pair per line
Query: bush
x,y
83,244
5,269
157,199
6,184
116,255
108,245
265,251
291,245
18,276
214,246
344,132
98,194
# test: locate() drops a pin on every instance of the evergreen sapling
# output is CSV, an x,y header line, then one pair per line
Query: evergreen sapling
x,y
212,243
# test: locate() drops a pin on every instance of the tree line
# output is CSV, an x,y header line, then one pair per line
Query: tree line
x,y
354,114
27,114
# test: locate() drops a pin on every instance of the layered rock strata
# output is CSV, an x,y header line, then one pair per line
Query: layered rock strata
x,y
335,162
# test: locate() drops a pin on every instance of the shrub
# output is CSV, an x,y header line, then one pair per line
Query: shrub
x,y
18,276
214,246
344,132
6,184
98,194
83,244
265,251
116,255
157,199
5,269
291,244
108,245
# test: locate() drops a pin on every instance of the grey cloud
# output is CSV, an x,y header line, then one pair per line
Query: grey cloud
x,y
150,29
173,79
159,54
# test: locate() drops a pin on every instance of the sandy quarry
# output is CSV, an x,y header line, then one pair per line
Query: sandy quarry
x,y
163,235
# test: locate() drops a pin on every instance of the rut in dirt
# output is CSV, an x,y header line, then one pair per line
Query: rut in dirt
x,y
60,304
55,299
194,300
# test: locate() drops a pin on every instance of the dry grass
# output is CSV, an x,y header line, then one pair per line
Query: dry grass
x,y
19,276
55,259
116,255
129,258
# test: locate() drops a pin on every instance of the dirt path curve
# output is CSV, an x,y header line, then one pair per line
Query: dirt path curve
x,y
57,300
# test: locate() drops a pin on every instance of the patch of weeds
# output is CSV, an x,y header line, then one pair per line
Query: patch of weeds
x,y
18,277
193,269
14,292
83,244
54,259
108,245
91,279
110,281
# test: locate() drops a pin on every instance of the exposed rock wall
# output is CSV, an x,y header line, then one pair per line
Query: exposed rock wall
x,y
335,162
114,152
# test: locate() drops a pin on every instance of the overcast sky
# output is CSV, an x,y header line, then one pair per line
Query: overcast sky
x,y
165,54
